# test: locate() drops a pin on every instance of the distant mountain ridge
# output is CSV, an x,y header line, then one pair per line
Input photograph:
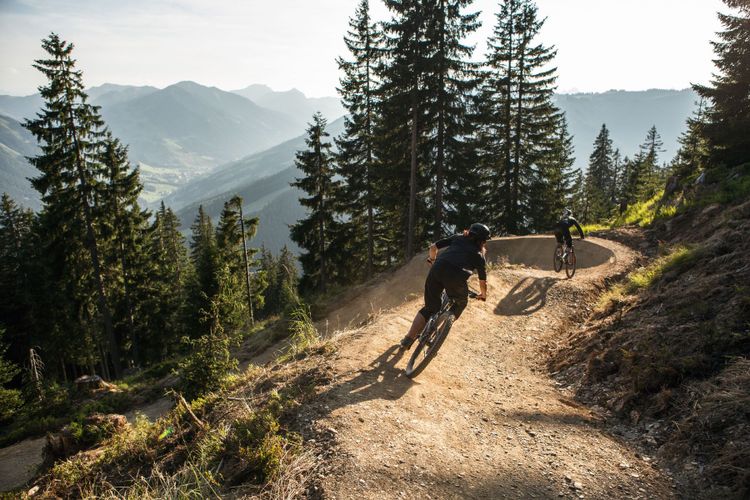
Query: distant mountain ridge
x,y
16,143
194,143
178,132
293,102
628,115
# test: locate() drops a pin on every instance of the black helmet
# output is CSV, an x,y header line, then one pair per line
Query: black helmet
x,y
567,212
480,232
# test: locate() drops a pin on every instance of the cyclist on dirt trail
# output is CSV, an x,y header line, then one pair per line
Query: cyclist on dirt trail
x,y
450,271
562,229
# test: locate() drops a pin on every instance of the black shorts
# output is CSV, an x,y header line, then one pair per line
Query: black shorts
x,y
445,276
562,233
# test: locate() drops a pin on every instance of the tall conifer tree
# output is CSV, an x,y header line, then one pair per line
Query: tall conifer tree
x,y
70,133
356,158
599,178
401,130
171,268
451,80
519,118
124,231
314,234
728,113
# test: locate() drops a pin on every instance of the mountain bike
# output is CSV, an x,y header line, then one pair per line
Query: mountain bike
x,y
433,335
565,255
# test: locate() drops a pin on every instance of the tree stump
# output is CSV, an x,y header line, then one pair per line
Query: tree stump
x,y
73,438
89,384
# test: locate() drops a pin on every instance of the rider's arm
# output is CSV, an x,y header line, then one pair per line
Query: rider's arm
x,y
433,253
437,246
578,227
482,274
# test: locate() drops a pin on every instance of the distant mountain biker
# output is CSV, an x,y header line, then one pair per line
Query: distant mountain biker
x,y
450,271
562,229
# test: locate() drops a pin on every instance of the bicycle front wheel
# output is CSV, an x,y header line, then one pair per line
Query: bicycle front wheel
x,y
570,265
558,261
428,347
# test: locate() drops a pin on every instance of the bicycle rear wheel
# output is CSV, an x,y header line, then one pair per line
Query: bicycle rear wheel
x,y
570,264
558,262
429,346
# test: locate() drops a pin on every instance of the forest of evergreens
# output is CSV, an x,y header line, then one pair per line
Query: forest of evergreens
x,y
433,141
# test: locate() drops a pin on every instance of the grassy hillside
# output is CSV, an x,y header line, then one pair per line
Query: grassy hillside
x,y
667,348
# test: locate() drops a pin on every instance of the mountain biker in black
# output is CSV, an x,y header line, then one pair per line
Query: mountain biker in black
x,y
450,272
562,229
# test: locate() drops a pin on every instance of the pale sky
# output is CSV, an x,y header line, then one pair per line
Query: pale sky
x,y
602,44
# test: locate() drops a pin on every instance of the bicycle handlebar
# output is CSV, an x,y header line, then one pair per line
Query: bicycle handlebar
x,y
473,294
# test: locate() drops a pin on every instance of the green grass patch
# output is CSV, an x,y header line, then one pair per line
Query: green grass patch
x,y
643,213
590,228
677,260
303,334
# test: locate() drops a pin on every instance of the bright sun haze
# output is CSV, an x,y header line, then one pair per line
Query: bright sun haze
x,y
602,44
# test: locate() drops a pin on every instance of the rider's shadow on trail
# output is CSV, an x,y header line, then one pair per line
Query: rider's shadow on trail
x,y
527,297
380,380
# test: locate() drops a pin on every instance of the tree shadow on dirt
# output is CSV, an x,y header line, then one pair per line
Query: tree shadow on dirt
x,y
380,380
556,419
528,296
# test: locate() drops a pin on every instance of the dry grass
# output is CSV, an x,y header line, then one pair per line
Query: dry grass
x,y
669,346
239,442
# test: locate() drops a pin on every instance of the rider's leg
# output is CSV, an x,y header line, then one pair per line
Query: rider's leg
x,y
568,237
559,237
433,289
416,326
457,288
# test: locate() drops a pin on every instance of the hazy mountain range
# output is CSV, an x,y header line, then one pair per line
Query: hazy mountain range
x,y
183,130
201,145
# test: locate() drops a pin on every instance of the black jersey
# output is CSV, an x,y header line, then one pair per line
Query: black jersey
x,y
568,222
463,253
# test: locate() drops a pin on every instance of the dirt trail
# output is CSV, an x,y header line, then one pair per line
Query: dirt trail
x,y
484,420
19,462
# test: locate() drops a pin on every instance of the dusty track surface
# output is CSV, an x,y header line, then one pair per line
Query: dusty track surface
x,y
484,420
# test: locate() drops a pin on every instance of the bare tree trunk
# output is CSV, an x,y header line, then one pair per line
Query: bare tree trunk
x,y
440,164
412,177
247,267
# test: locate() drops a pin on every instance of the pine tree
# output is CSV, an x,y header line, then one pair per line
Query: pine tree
x,y
519,118
124,229
599,178
232,234
314,234
692,156
554,185
16,274
627,188
70,133
650,173
171,268
401,129
728,95
203,285
451,79
577,199
356,157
